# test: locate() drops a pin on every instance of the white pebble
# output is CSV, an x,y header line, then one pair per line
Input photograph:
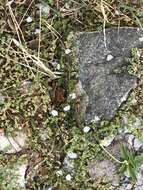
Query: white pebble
x,y
59,173
29,19
109,57
137,144
67,51
68,177
129,187
130,139
66,108
54,113
141,39
72,155
86,129
72,96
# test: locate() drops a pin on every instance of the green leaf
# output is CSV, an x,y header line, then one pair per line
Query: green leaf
x,y
132,172
123,152
138,160
123,168
131,160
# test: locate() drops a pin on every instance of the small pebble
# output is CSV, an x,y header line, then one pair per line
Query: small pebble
x,y
66,108
67,51
109,57
129,186
29,19
68,177
137,144
130,139
86,129
54,113
72,155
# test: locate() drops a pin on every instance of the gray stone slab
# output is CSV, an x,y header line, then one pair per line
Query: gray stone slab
x,y
102,61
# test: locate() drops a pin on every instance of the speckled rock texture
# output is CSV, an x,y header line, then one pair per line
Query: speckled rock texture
x,y
103,169
102,61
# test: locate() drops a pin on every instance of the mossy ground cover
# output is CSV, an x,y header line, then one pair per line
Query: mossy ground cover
x,y
30,107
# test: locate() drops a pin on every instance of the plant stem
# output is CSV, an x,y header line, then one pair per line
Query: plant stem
x,y
115,159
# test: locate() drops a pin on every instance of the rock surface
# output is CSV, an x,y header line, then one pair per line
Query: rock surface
x,y
13,144
103,169
102,61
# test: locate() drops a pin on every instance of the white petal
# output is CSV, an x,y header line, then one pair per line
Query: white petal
x,y
86,129
66,108
109,57
72,155
67,51
141,39
29,19
72,96
68,177
58,66
54,113
59,173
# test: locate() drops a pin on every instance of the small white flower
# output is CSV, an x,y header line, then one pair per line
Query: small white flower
x,y
141,39
72,155
29,19
72,96
59,173
86,129
96,119
54,113
68,177
58,67
109,57
37,31
66,108
67,51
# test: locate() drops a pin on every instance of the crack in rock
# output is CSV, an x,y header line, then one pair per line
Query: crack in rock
x,y
103,70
